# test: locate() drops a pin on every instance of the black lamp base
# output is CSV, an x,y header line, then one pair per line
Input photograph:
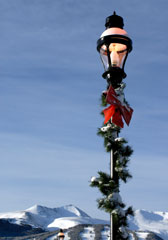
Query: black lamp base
x,y
114,76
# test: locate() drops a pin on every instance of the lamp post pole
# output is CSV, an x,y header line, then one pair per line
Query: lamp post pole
x,y
114,46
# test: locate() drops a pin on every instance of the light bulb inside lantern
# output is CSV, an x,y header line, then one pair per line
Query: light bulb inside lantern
x,y
114,59
117,54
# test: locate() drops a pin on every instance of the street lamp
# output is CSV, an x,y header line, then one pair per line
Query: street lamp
x,y
114,46
60,235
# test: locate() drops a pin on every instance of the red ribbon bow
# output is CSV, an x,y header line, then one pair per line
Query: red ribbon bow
x,y
117,110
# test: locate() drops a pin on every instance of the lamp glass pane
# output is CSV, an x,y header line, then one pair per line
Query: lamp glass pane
x,y
104,57
117,52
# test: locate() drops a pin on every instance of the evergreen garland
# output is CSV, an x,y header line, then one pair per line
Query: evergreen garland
x,y
111,201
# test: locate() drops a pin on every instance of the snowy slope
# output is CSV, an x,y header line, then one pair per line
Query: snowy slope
x,y
67,222
156,222
51,218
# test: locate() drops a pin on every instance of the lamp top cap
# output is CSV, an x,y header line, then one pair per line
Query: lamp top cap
x,y
114,21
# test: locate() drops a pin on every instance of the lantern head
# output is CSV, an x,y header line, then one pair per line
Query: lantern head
x,y
114,46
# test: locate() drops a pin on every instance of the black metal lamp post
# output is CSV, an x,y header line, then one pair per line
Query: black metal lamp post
x,y
114,46
60,235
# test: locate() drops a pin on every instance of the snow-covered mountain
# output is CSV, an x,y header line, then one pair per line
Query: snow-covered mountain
x,y
146,221
51,218
143,223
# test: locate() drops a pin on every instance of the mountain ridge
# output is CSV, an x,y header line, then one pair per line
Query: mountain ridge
x,y
51,218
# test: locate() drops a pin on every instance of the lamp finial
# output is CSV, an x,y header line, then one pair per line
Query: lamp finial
x,y
114,21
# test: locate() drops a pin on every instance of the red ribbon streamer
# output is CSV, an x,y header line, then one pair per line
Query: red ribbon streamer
x,y
116,111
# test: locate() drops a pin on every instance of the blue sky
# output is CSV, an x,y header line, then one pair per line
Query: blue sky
x,y
50,88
